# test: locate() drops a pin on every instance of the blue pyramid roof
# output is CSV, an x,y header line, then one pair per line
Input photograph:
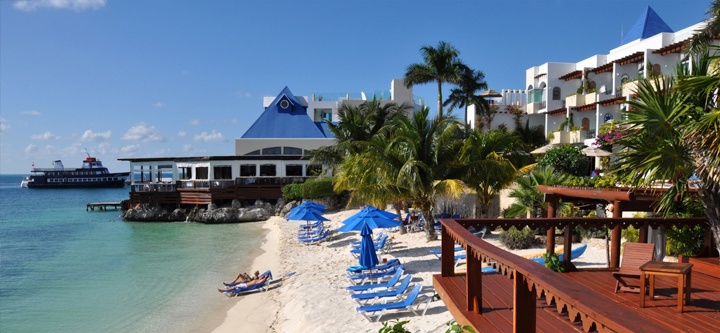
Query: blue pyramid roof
x,y
285,117
649,24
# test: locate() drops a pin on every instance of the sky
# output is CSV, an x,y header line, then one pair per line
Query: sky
x,y
161,78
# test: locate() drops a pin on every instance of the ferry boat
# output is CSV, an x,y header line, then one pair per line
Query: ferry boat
x,y
92,174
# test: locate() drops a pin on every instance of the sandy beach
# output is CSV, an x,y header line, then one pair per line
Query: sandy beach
x,y
315,299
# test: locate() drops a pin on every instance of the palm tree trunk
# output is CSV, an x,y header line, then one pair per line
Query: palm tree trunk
x,y
710,194
399,213
440,110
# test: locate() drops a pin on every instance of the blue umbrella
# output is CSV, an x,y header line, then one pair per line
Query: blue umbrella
x,y
368,256
374,219
371,209
307,214
309,204
297,214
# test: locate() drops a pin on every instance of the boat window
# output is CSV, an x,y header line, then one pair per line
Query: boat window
x,y
248,170
201,173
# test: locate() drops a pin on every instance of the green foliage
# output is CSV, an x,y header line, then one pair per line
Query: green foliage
x,y
686,240
566,159
552,261
518,239
292,191
396,328
454,327
317,188
310,189
631,234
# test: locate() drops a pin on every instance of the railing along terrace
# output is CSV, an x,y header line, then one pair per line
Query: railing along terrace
x,y
153,187
530,280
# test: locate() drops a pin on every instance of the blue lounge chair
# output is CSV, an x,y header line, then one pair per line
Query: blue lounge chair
x,y
359,269
361,278
314,240
375,286
411,303
311,234
372,297
383,246
376,240
239,289
438,252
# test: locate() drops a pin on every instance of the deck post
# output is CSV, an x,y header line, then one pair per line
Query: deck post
x,y
550,241
567,247
616,236
473,284
447,249
524,316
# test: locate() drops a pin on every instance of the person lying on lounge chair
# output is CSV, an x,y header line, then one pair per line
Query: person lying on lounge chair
x,y
243,277
248,284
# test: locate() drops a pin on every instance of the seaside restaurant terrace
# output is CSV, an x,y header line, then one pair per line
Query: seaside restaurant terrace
x,y
215,179
523,296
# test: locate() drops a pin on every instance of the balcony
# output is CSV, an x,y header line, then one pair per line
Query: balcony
x,y
569,137
575,100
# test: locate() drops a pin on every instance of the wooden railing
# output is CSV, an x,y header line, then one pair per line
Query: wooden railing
x,y
532,281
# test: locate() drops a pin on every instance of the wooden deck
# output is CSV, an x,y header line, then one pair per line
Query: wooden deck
x,y
702,314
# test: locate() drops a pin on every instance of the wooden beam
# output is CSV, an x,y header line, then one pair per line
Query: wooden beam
x,y
474,290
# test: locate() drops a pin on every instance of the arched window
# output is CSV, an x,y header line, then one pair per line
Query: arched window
x,y
556,94
530,87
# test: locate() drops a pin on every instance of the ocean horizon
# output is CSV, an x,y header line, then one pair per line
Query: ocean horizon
x,y
64,269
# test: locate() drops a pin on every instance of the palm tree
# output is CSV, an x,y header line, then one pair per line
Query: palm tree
x,y
528,200
357,126
656,149
441,65
706,36
488,161
470,82
423,150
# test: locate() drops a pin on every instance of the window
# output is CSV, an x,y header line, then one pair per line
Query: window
x,y
222,172
556,94
268,170
248,170
185,172
322,115
254,152
202,172
284,104
272,151
313,170
293,170
292,151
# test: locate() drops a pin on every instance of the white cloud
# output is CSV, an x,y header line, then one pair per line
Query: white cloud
x,y
159,105
195,122
76,5
90,136
131,149
182,134
45,136
242,95
210,137
142,132
31,113
31,149
3,125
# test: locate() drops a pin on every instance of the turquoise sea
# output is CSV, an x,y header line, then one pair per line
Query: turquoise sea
x,y
63,269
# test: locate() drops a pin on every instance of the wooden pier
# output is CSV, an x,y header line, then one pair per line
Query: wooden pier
x,y
102,205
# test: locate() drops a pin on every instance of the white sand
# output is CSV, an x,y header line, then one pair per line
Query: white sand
x,y
315,300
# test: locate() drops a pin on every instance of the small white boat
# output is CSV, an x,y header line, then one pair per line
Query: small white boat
x,y
24,182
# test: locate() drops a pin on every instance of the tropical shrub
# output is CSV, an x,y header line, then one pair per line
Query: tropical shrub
x,y
515,239
454,327
318,188
292,191
552,261
395,328
631,234
566,159
686,240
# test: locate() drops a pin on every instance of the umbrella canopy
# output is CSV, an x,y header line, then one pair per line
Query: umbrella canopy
x,y
306,214
371,209
596,152
310,204
374,219
368,256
